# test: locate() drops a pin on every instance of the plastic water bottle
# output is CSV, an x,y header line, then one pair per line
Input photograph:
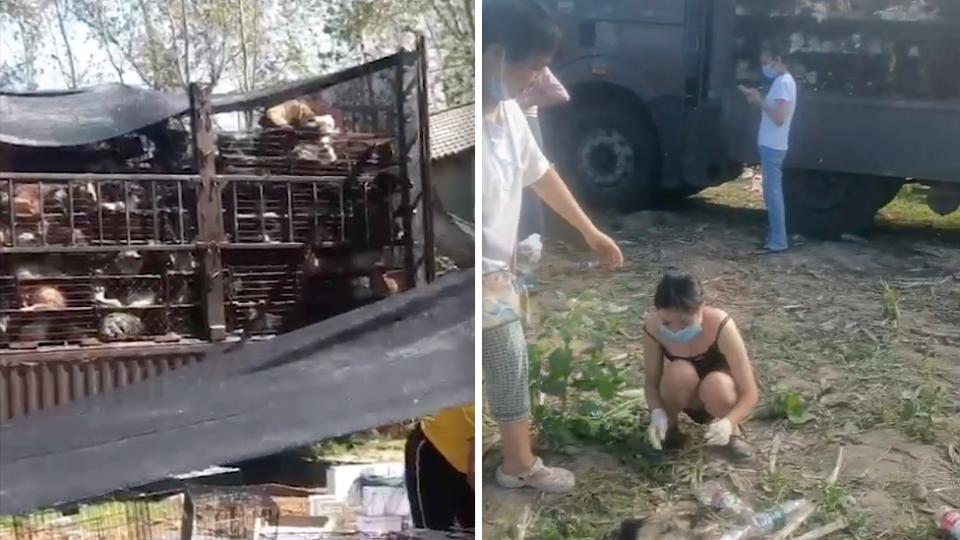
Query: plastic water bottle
x,y
719,498
948,520
776,517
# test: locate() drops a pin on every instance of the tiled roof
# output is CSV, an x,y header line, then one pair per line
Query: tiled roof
x,y
452,131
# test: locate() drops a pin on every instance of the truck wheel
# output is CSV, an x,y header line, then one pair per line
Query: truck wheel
x,y
611,158
827,205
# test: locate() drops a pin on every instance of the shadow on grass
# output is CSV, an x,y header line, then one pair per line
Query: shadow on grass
x,y
905,220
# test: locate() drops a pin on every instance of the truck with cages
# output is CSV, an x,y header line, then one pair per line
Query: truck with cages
x,y
135,234
656,115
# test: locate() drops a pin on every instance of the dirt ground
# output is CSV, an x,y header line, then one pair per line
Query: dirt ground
x,y
865,334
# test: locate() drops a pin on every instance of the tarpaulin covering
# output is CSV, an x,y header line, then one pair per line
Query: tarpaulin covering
x,y
100,113
400,358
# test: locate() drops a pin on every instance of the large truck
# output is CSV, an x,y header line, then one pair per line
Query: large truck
x,y
656,115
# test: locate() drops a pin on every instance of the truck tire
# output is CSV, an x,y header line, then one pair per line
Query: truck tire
x,y
610,158
826,205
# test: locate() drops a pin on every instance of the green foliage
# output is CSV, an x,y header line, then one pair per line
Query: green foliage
x,y
577,390
787,406
920,411
371,28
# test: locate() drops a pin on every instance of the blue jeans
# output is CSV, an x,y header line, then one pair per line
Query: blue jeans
x,y
771,165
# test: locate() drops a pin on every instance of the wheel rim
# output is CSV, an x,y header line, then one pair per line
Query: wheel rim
x,y
606,158
821,191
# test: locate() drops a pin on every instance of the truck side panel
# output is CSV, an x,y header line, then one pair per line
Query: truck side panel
x,y
898,139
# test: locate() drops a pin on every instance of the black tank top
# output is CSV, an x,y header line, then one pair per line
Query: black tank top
x,y
706,362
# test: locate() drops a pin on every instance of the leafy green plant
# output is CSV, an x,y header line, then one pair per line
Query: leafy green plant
x,y
788,406
919,412
575,387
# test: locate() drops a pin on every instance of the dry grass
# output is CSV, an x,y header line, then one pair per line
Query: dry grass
x,y
857,345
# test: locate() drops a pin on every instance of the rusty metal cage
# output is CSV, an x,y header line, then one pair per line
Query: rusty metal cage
x,y
192,512
97,259
324,201
229,513
153,518
268,230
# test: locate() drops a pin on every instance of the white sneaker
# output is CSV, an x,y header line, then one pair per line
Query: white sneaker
x,y
541,477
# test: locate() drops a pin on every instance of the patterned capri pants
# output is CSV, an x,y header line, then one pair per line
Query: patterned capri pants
x,y
506,373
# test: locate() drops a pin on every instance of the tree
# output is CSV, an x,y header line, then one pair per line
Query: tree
x,y
167,43
20,20
373,28
57,14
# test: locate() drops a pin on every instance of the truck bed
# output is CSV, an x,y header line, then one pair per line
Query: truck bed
x,y
878,83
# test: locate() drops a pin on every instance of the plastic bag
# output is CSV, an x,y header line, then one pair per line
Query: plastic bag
x,y
528,254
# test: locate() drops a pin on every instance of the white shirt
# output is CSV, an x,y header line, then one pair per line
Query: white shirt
x,y
512,160
784,88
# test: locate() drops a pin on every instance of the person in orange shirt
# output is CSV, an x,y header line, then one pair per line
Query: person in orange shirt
x,y
440,470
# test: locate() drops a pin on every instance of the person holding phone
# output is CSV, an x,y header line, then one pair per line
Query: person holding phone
x,y
776,109
517,46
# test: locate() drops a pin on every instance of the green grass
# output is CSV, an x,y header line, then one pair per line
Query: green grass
x,y
910,208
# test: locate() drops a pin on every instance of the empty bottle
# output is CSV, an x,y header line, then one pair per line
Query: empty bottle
x,y
948,520
719,498
776,517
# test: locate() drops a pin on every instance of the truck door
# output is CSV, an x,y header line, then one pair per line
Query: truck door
x,y
708,57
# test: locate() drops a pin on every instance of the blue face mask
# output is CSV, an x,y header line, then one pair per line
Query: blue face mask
x,y
499,89
686,335
769,71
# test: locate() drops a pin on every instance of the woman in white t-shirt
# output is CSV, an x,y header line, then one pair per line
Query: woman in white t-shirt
x,y
518,44
777,110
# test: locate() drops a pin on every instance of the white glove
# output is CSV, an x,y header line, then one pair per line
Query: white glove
x,y
657,431
719,432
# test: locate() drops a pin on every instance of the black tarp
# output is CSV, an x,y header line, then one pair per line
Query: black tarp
x,y
100,113
403,357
